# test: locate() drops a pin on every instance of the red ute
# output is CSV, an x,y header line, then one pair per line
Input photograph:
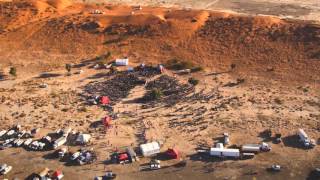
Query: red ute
x,y
104,100
173,153
123,157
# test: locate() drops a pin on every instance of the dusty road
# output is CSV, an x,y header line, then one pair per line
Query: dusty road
x,y
298,9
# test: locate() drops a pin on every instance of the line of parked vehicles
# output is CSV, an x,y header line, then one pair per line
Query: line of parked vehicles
x,y
249,150
15,137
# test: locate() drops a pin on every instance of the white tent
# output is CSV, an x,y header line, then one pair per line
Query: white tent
x,y
150,149
122,62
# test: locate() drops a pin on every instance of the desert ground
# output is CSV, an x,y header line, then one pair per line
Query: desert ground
x,y
298,9
258,73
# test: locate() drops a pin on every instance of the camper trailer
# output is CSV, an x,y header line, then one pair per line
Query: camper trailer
x,y
150,149
122,62
59,142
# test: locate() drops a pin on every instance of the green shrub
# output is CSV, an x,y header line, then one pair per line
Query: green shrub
x,y
68,68
105,58
278,101
176,64
156,94
196,69
232,66
193,81
13,71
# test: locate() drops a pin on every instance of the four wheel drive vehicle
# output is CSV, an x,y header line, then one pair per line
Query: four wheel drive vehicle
x,y
62,152
36,145
28,142
41,145
3,132
4,169
108,175
21,134
11,133
46,139
75,156
121,158
9,140
275,167
155,164
278,138
4,146
86,157
18,142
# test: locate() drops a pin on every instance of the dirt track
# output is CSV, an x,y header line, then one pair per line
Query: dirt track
x,y
301,9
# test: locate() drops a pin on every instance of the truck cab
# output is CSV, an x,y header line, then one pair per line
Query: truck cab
x,y
226,139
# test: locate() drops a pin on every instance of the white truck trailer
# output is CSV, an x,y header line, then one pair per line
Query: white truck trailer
x,y
263,147
220,151
303,137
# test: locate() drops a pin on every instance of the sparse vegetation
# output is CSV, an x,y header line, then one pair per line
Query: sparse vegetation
x,y
13,71
193,81
278,101
68,67
83,109
105,58
232,66
156,94
177,64
197,69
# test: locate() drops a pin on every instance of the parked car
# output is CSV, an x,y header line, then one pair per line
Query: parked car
x,y
18,142
62,152
275,167
75,155
27,142
108,175
4,169
155,164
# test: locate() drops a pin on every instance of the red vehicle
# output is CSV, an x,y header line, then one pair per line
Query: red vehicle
x,y
104,100
120,157
106,121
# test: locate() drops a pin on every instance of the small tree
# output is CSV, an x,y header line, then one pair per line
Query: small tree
x,y
193,81
68,68
156,94
232,66
13,71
